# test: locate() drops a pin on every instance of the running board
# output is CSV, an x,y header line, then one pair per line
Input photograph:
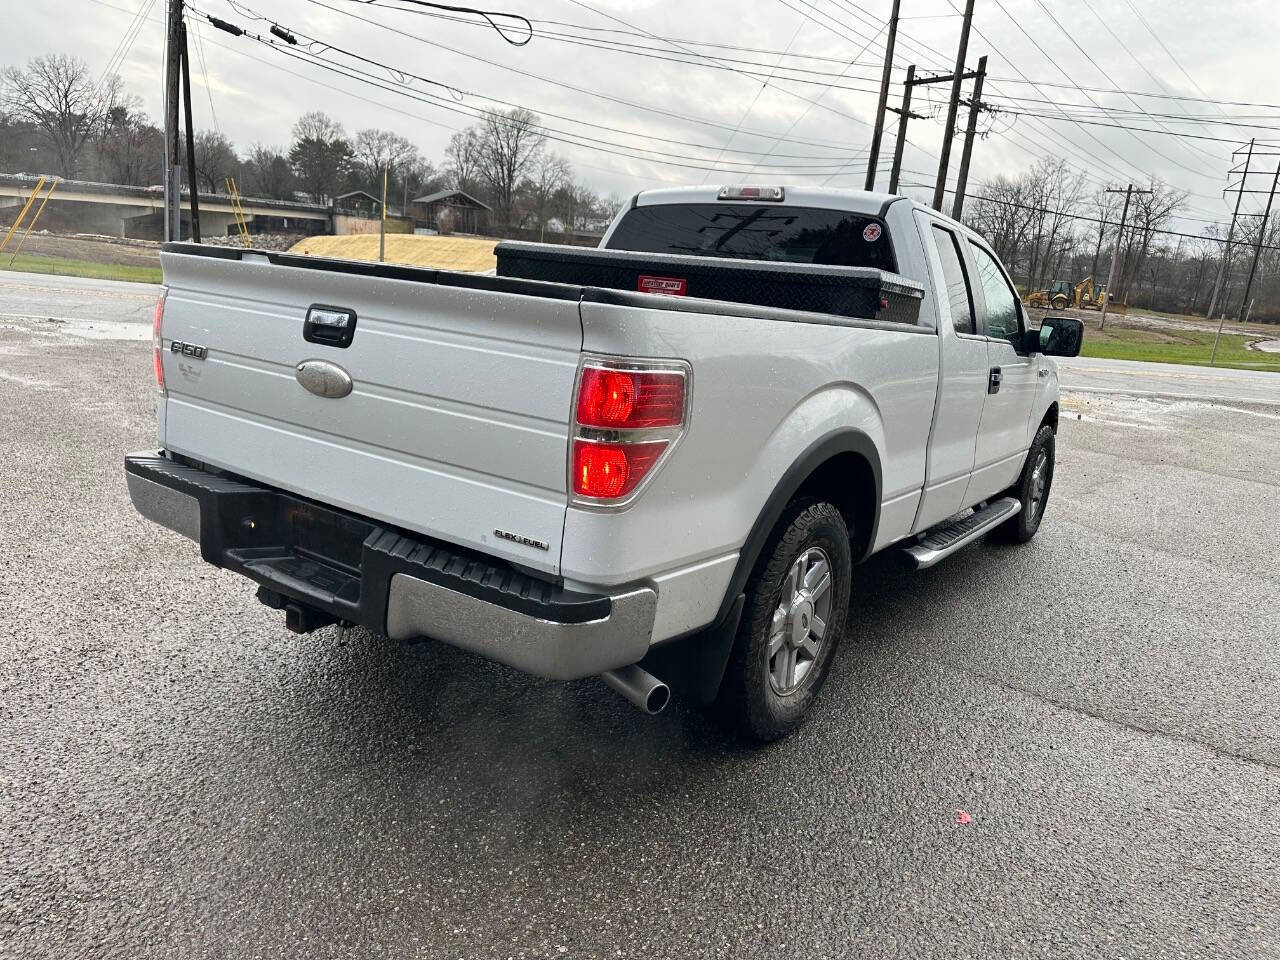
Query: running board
x,y
942,541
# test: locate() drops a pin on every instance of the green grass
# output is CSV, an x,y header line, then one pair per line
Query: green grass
x,y
1184,346
80,268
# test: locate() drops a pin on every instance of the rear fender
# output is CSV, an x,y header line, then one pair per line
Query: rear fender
x,y
845,421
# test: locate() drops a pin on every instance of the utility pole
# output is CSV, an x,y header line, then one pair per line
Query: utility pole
x,y
382,233
1257,247
971,133
940,188
191,134
877,132
1115,254
172,159
1226,253
904,114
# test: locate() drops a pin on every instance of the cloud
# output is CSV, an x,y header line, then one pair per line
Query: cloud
x,y
642,106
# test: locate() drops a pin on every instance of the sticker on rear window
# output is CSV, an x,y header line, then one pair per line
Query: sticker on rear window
x,y
871,232
664,286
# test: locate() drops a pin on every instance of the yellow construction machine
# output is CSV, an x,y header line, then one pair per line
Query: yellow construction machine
x,y
1058,296
1061,294
1086,297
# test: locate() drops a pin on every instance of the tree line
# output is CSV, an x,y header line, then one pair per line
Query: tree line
x,y
1048,224
56,117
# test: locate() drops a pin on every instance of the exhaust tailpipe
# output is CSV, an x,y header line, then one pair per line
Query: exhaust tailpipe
x,y
640,687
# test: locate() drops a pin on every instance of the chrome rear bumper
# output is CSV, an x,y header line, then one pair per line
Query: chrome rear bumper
x,y
406,586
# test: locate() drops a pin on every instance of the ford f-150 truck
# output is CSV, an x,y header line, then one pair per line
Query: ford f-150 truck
x,y
658,461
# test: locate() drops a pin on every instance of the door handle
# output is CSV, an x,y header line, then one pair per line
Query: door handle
x,y
993,380
330,326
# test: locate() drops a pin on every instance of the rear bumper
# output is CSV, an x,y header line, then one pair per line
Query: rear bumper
x,y
406,586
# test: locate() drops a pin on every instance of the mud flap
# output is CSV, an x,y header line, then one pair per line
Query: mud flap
x,y
693,666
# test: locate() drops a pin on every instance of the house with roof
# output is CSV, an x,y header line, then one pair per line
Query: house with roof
x,y
469,214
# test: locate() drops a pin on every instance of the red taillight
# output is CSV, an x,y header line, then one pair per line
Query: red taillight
x,y
628,414
630,399
157,339
610,471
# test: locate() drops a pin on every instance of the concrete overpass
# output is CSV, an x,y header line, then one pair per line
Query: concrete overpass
x,y
138,212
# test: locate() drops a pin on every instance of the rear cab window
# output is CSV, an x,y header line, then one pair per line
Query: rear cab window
x,y
757,231
954,275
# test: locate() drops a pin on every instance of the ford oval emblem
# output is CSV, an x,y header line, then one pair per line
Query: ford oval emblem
x,y
324,379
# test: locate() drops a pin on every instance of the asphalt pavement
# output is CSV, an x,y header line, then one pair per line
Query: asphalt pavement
x,y
1137,378
182,777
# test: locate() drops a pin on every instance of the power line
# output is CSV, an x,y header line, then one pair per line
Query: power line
x,y
805,112
756,99
204,73
1156,37
552,133
594,94
1087,219
1072,80
616,19
1088,56
127,40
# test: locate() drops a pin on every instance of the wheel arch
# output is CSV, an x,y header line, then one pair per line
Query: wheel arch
x,y
1050,418
842,467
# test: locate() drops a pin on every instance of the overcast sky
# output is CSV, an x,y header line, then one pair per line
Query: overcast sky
x,y
697,115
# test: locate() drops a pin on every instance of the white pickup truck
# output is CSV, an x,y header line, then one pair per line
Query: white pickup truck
x,y
657,461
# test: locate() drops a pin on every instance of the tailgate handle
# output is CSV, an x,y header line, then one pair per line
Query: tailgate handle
x,y
330,326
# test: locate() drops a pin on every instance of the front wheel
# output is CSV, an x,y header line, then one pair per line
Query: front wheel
x,y
1031,490
797,601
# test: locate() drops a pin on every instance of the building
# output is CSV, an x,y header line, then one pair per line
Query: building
x,y
358,203
469,214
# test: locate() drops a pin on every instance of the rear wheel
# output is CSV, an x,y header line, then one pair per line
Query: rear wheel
x,y
797,601
1032,490
1059,303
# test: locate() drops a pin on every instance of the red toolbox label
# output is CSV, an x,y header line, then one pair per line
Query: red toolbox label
x,y
666,286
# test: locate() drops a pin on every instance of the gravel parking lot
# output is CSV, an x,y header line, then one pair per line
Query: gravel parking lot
x,y
181,777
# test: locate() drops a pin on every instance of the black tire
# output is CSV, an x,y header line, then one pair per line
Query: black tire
x,y
753,695
1023,526
1059,303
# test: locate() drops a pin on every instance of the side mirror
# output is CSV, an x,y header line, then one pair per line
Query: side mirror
x,y
1057,337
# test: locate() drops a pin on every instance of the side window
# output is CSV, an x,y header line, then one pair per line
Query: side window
x,y
1003,319
957,282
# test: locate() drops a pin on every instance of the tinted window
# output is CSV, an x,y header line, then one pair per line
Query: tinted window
x,y
1003,321
957,282
757,231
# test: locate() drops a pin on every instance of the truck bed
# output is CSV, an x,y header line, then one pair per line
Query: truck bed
x,y
855,292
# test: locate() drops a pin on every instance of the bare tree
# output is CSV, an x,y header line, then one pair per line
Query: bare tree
x,y
462,160
577,203
510,142
58,97
1030,219
216,160
1148,214
267,174
320,155
383,151
130,148
549,174
1106,208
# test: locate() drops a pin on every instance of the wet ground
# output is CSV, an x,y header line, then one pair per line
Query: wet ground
x,y
1066,749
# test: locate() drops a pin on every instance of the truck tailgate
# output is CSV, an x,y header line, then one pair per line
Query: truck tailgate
x,y
456,425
